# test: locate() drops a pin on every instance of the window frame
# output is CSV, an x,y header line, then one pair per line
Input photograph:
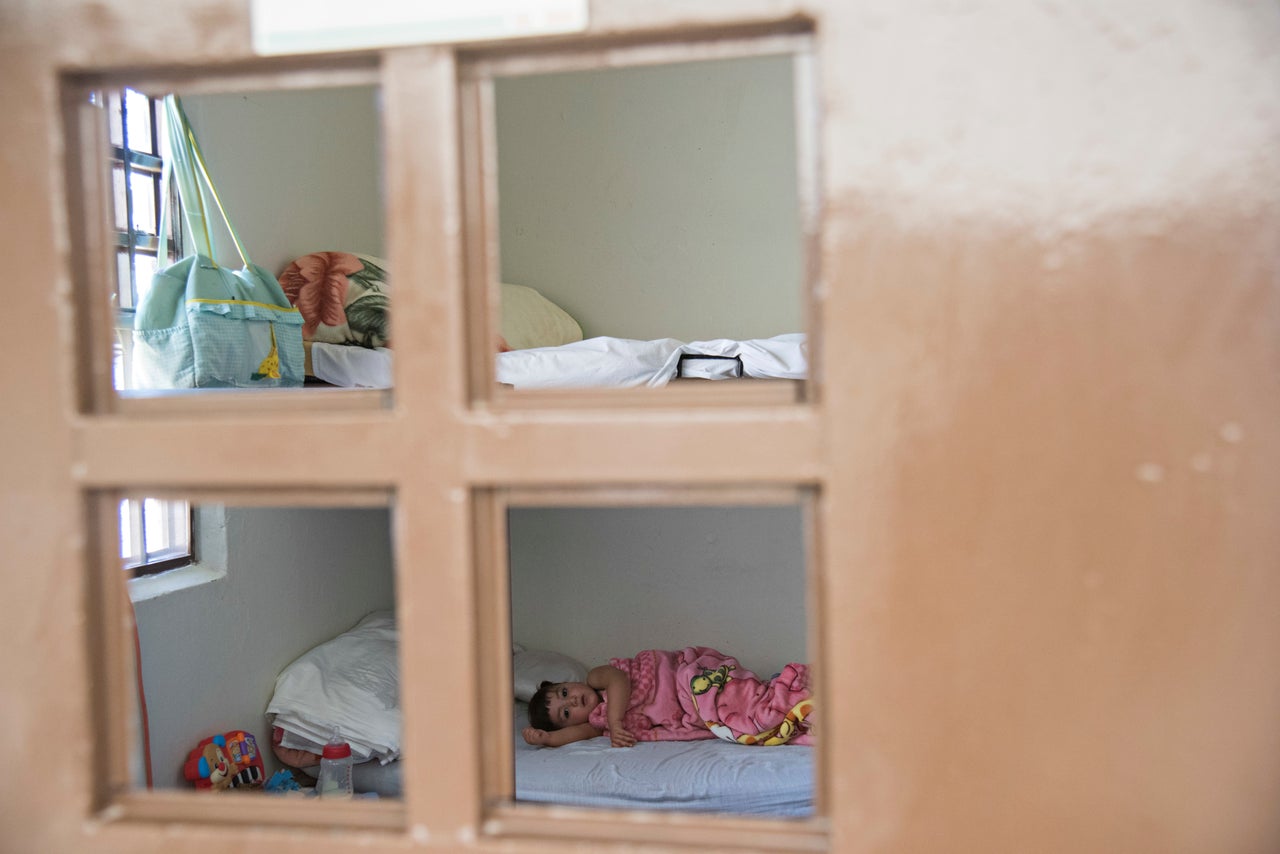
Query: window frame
x,y
94,237
434,450
477,71
505,817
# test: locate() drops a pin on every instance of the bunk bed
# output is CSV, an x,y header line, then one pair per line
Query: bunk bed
x,y
351,683
345,301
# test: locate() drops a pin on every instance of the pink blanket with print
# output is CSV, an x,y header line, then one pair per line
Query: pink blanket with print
x,y
697,692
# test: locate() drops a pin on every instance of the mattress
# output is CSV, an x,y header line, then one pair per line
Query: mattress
x,y
688,776
600,362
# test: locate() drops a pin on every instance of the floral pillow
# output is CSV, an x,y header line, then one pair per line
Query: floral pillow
x,y
343,298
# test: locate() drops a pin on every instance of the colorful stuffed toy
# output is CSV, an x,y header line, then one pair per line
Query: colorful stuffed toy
x,y
225,761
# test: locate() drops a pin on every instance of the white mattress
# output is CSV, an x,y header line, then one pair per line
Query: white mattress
x,y
689,776
594,363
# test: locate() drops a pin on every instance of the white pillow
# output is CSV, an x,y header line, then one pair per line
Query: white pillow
x,y
532,667
531,320
350,683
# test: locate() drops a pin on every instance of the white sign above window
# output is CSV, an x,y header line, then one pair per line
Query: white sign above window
x,y
318,26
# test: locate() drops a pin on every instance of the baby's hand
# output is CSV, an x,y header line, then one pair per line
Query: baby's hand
x,y
534,736
620,737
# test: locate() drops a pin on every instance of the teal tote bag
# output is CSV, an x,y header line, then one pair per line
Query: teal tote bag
x,y
203,325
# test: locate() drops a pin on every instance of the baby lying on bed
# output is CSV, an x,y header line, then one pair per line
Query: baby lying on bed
x,y
680,695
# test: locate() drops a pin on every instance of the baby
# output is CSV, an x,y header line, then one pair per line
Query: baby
x,y
682,695
560,713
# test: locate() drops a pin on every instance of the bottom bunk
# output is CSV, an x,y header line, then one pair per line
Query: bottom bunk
x,y
351,684
685,776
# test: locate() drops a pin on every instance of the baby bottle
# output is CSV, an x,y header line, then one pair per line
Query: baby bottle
x,y
335,769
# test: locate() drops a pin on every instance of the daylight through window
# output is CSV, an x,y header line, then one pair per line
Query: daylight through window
x,y
155,535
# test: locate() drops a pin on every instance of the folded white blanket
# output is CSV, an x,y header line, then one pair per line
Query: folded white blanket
x,y
622,362
350,684
601,362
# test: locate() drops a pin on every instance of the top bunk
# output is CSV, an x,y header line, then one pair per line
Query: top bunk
x,y
626,224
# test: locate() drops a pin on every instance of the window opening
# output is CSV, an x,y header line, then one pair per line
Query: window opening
x,y
684,188
174,669
303,246
155,535
680,563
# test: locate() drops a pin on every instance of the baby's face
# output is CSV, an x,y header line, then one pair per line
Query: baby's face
x,y
571,703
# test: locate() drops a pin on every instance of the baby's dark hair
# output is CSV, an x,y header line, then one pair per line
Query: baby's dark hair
x,y
540,708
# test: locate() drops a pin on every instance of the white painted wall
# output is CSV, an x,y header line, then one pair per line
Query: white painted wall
x,y
602,582
655,202
211,654
299,171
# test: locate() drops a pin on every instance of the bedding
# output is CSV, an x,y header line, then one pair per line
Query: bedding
x,y
600,362
353,678
531,667
685,776
698,692
345,298
350,684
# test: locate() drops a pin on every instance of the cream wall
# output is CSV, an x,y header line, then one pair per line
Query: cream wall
x,y
600,582
656,202
649,202
299,171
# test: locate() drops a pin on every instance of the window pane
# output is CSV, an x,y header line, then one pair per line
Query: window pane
x,y
159,526
120,197
162,132
152,530
179,513
123,289
129,545
143,186
119,362
113,118
139,114
144,267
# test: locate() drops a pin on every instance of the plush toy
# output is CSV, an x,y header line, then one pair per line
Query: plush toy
x,y
225,761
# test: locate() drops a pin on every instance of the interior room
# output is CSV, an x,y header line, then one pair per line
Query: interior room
x,y
593,584
587,584
267,585
644,213
676,194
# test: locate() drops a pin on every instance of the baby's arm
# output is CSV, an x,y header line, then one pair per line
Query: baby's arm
x,y
617,692
558,737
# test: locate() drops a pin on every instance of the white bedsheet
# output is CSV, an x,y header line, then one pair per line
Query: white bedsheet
x,y
600,362
688,776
